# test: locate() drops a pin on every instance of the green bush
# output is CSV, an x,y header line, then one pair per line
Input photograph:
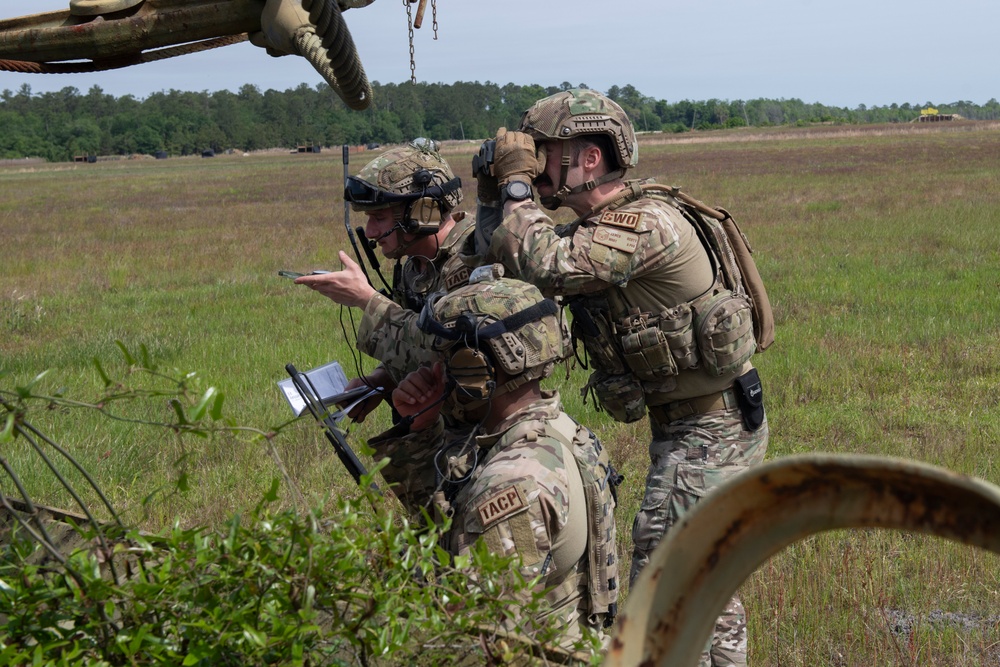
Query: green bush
x,y
347,582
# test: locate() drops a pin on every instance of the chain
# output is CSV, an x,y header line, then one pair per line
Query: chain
x,y
409,23
434,14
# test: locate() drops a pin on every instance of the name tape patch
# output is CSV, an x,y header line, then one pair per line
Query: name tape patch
x,y
501,505
625,219
617,239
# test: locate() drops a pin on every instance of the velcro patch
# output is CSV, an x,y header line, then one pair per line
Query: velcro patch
x,y
501,505
614,238
456,278
626,219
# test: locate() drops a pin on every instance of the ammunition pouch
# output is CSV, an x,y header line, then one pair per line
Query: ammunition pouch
x,y
660,347
678,328
645,348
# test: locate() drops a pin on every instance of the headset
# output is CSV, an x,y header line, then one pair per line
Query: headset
x,y
423,211
470,368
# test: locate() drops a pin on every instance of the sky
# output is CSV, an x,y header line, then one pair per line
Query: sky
x,y
844,54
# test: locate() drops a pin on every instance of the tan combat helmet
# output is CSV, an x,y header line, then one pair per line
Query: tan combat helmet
x,y
575,113
414,180
508,319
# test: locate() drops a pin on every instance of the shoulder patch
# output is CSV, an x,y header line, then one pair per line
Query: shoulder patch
x,y
617,239
625,219
500,505
457,278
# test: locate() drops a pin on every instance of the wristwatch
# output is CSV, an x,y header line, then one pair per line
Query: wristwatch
x,y
515,191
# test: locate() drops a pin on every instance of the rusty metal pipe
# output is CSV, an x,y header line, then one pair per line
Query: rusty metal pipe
x,y
671,610
60,36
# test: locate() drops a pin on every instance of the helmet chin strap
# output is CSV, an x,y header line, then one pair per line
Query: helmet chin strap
x,y
403,245
554,201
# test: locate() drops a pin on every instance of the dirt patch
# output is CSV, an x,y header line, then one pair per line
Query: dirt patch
x,y
904,623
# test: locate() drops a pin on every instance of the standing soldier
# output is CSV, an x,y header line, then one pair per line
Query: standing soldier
x,y
539,486
666,334
410,194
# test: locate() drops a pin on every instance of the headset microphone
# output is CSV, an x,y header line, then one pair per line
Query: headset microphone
x,y
369,246
373,243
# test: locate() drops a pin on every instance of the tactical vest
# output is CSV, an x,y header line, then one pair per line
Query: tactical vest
x,y
635,354
600,482
446,271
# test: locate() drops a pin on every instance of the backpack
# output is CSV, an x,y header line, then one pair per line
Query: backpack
x,y
719,231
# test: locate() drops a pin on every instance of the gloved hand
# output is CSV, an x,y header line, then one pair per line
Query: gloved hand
x,y
514,157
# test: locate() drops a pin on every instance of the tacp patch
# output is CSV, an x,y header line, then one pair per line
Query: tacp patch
x,y
625,219
617,239
458,277
500,505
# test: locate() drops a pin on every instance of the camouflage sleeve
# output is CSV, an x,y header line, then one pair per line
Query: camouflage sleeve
x,y
519,503
388,332
410,473
590,260
520,507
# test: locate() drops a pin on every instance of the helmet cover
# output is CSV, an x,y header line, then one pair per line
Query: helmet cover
x,y
409,170
533,345
578,112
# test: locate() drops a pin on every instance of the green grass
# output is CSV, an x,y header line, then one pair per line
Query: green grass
x,y
880,253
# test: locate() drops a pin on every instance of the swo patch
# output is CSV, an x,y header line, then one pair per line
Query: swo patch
x,y
625,219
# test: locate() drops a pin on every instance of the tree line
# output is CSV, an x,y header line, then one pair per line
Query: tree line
x,y
60,125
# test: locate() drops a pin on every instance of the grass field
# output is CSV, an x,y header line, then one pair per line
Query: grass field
x,y
880,252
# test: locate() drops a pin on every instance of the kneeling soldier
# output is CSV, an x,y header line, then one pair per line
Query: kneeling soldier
x,y
533,483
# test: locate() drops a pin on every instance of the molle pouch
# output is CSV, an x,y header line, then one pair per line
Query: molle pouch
x,y
750,396
676,326
621,395
646,352
724,332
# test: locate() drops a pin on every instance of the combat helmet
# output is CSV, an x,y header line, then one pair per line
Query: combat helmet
x,y
509,320
414,179
578,112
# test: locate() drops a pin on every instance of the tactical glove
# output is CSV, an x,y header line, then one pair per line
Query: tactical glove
x,y
514,157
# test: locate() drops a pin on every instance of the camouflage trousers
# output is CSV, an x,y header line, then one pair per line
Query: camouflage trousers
x,y
688,458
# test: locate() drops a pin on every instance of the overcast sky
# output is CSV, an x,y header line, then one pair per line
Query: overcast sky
x,y
846,53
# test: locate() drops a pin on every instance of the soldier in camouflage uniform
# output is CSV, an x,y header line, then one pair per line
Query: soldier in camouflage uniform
x,y
662,336
539,486
409,193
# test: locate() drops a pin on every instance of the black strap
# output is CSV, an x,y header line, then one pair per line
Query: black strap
x,y
508,324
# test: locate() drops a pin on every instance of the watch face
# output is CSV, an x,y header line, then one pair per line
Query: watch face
x,y
518,190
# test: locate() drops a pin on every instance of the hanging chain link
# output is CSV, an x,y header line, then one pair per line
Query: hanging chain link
x,y
409,24
434,15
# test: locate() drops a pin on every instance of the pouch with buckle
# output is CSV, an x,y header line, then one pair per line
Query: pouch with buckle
x,y
750,396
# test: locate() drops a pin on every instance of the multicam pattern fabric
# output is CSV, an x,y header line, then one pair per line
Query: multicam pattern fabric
x,y
579,111
388,329
524,499
645,255
393,170
534,344
668,266
688,458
